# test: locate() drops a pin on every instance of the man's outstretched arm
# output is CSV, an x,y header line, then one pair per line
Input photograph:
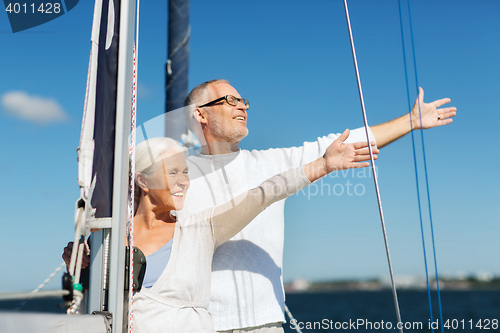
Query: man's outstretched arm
x,y
431,117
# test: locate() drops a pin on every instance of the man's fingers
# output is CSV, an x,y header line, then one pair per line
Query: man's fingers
x,y
360,165
450,109
440,102
420,94
443,122
362,144
343,136
359,158
447,113
366,151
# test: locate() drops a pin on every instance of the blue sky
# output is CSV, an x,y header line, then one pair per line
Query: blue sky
x,y
292,61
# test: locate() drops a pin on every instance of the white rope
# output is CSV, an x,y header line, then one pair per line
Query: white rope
x,y
74,251
76,304
292,319
394,293
132,175
79,261
37,289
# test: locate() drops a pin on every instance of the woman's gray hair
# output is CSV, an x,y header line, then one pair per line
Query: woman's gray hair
x,y
147,153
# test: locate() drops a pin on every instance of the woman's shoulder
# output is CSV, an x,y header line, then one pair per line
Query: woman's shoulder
x,y
202,218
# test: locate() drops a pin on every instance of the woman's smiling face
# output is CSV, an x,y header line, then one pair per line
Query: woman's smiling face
x,y
169,184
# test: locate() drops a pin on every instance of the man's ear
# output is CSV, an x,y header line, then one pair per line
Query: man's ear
x,y
141,181
200,115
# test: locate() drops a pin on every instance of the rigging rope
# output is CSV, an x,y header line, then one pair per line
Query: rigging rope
x,y
379,201
40,286
132,176
425,166
292,319
415,166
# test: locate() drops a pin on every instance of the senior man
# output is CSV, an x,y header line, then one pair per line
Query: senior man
x,y
247,287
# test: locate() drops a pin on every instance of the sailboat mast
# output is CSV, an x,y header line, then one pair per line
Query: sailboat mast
x,y
108,105
176,68
121,167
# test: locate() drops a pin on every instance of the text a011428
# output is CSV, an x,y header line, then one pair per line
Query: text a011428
x,y
482,324
27,8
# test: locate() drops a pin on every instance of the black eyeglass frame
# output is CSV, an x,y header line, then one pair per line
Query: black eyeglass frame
x,y
244,101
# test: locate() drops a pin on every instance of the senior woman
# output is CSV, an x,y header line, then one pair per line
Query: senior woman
x,y
176,288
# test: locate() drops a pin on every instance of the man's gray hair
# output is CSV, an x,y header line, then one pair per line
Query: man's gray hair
x,y
197,96
199,93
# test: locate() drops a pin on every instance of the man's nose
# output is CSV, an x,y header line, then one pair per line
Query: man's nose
x,y
241,106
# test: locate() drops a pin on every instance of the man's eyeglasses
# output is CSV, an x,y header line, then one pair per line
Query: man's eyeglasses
x,y
230,99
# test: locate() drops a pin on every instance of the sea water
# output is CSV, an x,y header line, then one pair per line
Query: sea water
x,y
366,311
374,311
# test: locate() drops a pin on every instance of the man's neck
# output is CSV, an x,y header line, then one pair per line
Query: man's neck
x,y
218,148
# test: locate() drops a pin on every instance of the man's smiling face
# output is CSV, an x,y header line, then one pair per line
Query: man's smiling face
x,y
225,123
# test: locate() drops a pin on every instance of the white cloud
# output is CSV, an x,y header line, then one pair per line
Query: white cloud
x,y
32,108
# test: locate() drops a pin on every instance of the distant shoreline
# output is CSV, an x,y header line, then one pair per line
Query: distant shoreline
x,y
402,283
